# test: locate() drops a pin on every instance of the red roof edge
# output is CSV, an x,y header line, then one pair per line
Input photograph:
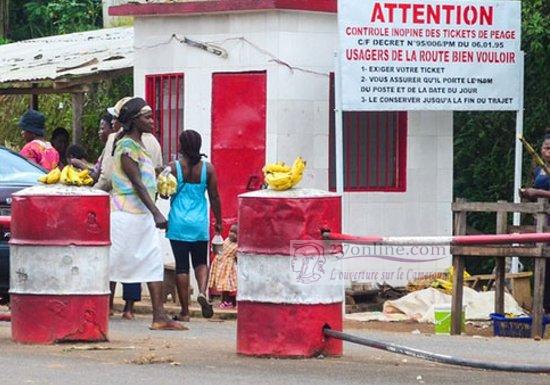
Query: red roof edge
x,y
198,7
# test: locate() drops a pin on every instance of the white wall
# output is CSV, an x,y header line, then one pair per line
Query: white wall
x,y
297,112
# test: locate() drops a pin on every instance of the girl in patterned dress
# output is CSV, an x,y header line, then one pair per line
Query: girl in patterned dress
x,y
223,272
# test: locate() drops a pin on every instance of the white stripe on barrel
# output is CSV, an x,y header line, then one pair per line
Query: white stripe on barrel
x,y
59,270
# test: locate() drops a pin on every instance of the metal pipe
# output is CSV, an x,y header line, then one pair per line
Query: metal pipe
x,y
434,357
458,240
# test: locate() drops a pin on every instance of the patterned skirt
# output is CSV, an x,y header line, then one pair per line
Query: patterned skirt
x,y
223,273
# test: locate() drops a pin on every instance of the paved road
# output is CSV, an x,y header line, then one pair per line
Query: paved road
x,y
205,355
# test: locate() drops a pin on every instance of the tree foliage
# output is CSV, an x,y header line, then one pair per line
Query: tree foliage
x,y
33,19
484,141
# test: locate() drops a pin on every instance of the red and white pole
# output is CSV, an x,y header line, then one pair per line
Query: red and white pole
x,y
284,296
458,240
59,265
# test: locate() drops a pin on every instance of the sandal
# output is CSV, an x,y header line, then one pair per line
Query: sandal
x,y
225,305
167,325
206,307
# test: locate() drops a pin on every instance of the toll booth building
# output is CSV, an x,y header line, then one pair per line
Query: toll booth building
x,y
256,79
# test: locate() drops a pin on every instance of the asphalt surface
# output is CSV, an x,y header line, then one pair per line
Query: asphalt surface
x,y
205,355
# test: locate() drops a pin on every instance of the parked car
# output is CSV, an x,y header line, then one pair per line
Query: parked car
x,y
16,173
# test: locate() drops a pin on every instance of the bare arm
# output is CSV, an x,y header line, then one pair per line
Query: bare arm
x,y
131,169
214,197
534,193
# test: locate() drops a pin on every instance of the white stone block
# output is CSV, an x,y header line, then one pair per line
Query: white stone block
x,y
297,48
422,152
321,117
295,117
318,22
248,22
445,152
320,151
444,185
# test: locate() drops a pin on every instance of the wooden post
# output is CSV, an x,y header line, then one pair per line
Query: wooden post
x,y
540,272
34,102
500,263
458,275
78,105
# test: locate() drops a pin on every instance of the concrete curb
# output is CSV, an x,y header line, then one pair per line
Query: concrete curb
x,y
144,307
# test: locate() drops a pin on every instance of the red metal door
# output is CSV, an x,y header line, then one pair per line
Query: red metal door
x,y
238,136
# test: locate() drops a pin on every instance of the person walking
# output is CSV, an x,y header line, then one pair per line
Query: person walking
x,y
135,254
37,149
188,220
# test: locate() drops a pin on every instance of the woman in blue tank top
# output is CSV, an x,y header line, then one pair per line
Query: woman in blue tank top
x,y
188,220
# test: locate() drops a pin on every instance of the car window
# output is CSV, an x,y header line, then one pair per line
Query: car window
x,y
15,169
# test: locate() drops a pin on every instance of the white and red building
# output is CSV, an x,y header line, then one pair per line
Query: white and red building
x,y
261,90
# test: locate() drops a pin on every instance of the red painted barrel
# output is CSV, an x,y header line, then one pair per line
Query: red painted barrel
x,y
286,287
59,264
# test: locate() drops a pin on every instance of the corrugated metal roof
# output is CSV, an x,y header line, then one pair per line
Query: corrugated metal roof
x,y
63,56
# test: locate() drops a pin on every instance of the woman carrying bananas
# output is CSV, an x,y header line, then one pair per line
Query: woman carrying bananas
x,y
135,251
188,219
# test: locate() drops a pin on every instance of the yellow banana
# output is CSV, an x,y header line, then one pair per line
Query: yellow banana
x,y
43,179
83,174
297,170
64,177
87,181
279,180
276,167
73,177
53,176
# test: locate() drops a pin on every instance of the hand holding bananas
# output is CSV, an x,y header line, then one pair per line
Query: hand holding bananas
x,y
166,183
280,177
69,176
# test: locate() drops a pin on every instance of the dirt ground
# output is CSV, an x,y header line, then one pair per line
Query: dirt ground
x,y
484,329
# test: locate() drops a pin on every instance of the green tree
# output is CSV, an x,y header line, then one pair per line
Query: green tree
x,y
31,19
484,141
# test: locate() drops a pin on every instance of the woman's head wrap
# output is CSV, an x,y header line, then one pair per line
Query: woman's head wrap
x,y
132,109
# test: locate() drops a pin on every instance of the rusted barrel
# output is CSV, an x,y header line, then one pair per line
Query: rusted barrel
x,y
59,264
285,291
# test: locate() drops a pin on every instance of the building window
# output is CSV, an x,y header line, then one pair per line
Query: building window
x,y
375,149
164,93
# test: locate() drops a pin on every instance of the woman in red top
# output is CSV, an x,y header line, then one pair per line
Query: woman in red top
x,y
37,149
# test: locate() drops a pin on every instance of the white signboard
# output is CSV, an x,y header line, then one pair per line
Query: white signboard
x,y
429,54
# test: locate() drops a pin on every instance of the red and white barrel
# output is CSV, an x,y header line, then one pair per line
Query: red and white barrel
x,y
59,264
285,291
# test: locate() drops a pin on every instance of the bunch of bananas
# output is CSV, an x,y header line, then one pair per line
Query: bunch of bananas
x,y
69,176
166,183
280,177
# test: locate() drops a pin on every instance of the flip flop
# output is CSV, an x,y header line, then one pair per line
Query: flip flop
x,y
167,325
206,307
